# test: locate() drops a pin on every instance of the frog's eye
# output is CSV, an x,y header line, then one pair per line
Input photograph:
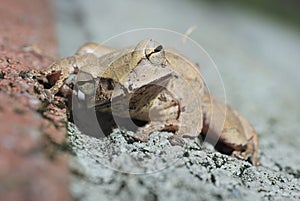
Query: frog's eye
x,y
156,55
158,49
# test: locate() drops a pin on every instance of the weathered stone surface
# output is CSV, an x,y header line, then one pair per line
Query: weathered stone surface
x,y
116,168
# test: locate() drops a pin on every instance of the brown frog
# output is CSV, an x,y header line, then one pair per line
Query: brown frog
x,y
154,85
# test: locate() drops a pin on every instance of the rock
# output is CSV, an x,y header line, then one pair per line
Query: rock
x,y
116,168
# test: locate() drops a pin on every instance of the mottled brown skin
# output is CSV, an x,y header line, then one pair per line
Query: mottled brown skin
x,y
225,127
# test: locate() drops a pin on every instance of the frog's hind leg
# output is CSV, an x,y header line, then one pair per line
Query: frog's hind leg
x,y
251,152
237,136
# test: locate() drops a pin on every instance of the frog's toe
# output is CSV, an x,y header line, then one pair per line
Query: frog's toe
x,y
247,156
139,136
255,161
241,155
176,141
142,134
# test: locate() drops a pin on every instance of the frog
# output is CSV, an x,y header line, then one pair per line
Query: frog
x,y
155,85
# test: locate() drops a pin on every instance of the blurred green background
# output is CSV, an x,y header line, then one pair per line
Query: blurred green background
x,y
286,11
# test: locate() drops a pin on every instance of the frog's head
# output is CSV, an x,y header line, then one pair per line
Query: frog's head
x,y
152,51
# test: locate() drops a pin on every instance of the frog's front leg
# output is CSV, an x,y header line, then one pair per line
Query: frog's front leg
x,y
58,73
54,75
161,114
86,59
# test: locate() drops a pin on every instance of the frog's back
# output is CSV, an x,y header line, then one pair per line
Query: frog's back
x,y
185,68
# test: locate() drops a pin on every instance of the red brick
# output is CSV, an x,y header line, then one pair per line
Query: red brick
x,y
31,167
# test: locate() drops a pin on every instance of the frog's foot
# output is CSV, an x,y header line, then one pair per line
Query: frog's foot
x,y
176,140
254,159
243,155
139,136
248,154
142,134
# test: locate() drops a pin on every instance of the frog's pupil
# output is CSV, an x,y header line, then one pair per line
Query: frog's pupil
x,y
158,48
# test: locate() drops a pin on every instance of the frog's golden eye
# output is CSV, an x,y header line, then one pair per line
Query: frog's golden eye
x,y
150,50
156,55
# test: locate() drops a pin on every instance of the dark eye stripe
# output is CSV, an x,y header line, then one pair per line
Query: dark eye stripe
x,y
157,49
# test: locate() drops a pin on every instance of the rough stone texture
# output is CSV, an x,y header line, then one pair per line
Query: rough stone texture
x,y
258,60
116,168
32,164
